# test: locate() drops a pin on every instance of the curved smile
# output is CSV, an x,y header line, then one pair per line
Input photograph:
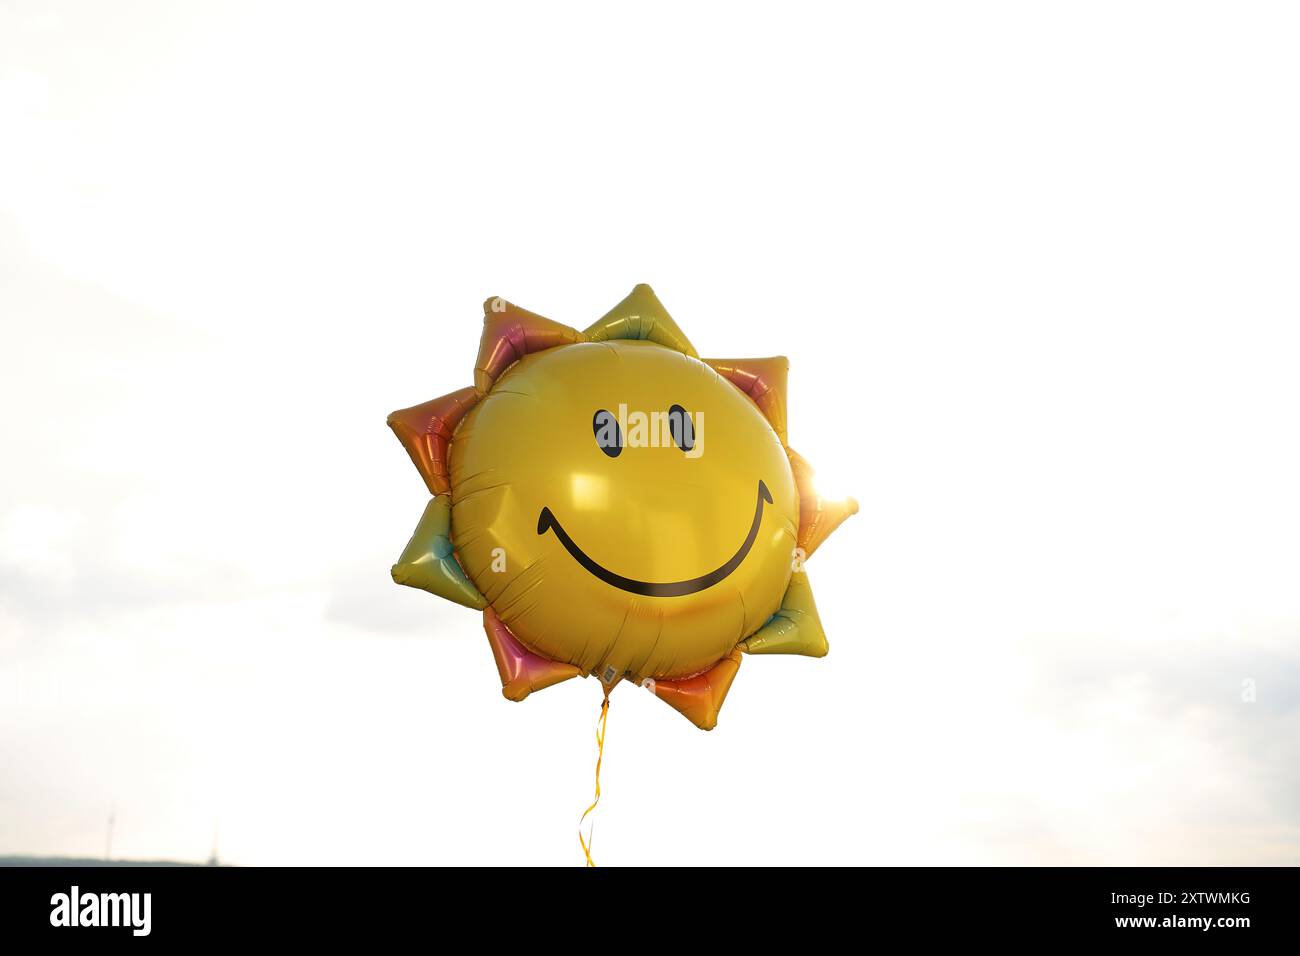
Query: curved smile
x,y
547,522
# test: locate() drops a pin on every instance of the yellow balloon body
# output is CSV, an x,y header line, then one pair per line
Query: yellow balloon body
x,y
652,562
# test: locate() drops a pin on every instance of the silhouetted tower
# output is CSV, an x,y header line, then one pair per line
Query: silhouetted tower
x,y
108,839
215,858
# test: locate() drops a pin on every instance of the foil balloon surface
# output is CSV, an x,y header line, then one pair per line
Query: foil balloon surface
x,y
618,507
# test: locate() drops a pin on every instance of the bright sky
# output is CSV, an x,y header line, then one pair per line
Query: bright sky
x,y
1035,273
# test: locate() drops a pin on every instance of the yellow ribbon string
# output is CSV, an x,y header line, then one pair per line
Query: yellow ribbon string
x,y
600,752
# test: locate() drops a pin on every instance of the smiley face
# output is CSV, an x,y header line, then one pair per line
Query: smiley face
x,y
632,491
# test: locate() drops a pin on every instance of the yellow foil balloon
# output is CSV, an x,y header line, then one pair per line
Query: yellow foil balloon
x,y
617,506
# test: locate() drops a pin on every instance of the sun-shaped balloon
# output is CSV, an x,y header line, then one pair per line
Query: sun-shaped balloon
x,y
618,507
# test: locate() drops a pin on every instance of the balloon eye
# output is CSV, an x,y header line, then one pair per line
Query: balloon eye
x,y
679,423
605,427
